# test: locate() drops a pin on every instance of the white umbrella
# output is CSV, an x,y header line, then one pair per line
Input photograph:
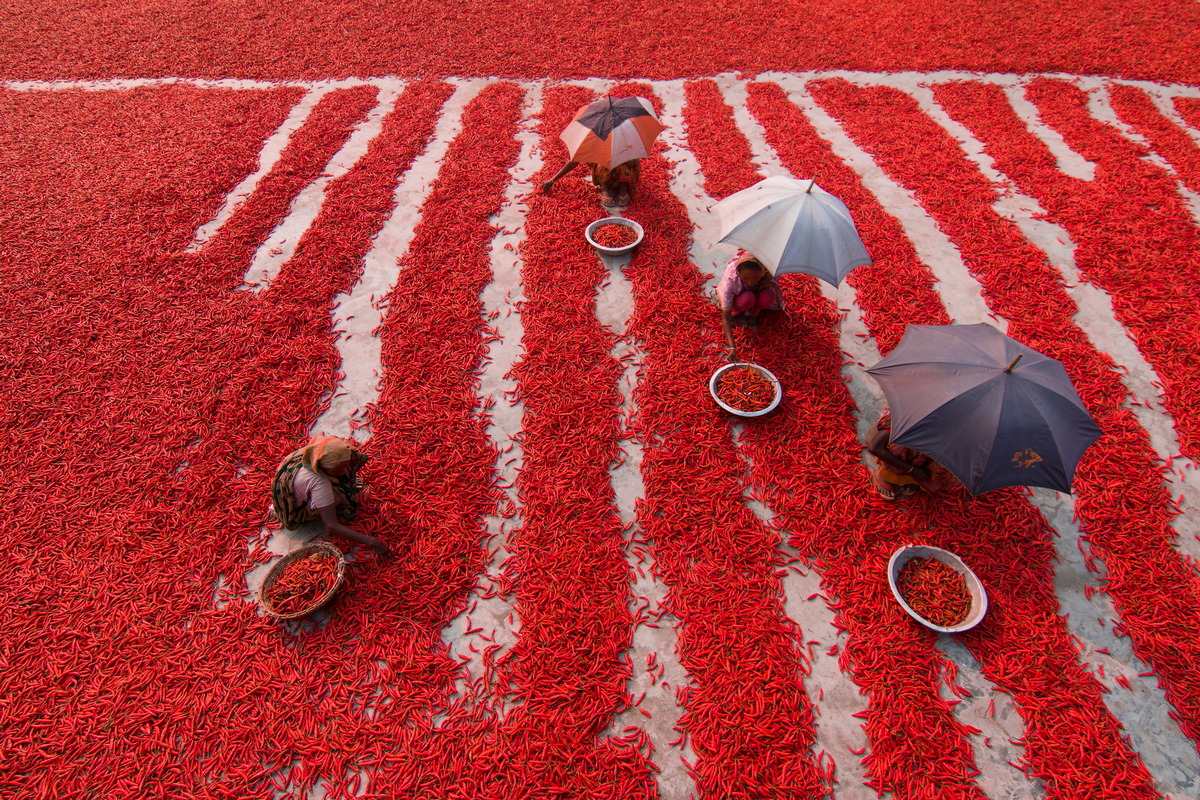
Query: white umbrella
x,y
793,226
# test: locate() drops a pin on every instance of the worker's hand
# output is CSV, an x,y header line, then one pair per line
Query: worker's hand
x,y
381,549
920,474
732,354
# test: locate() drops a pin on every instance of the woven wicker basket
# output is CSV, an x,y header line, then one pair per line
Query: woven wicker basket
x,y
277,568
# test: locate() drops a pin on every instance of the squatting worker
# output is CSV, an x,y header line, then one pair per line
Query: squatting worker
x,y
746,290
615,185
320,481
901,471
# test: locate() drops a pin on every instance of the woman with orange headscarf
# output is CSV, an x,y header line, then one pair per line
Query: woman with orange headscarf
x,y
320,481
901,471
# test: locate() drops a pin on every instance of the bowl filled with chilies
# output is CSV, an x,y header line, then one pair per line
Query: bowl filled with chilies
x,y
936,588
614,236
745,390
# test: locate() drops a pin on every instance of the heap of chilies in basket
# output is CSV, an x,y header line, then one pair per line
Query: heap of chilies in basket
x,y
301,584
130,626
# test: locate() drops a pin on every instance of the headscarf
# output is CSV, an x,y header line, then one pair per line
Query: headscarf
x,y
326,452
742,257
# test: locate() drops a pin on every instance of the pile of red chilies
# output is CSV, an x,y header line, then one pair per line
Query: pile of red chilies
x,y
341,38
934,590
124,677
614,235
301,584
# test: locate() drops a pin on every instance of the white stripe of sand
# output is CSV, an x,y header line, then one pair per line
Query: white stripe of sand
x,y
283,541
933,246
358,313
654,639
962,295
654,628
1143,709
830,689
1095,317
487,608
1163,97
268,157
1069,162
280,244
1101,108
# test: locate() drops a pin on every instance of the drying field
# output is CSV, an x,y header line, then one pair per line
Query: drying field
x,y
212,247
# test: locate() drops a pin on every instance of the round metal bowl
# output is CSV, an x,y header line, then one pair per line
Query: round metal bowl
x,y
979,601
766,373
614,251
277,569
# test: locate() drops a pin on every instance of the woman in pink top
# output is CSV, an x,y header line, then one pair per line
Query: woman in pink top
x,y
745,291
320,481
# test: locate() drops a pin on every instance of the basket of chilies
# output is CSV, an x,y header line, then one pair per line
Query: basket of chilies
x,y
302,581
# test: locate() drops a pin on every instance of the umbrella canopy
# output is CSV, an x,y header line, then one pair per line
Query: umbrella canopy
x,y
991,410
793,226
612,131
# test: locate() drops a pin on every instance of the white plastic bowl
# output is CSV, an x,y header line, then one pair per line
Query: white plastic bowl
x,y
979,601
766,373
614,251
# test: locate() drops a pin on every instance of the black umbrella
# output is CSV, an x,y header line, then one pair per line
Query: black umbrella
x,y
989,409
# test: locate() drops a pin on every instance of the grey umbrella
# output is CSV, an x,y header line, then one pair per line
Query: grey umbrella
x,y
793,226
991,410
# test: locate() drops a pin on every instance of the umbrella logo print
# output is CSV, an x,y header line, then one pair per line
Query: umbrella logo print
x,y
1026,458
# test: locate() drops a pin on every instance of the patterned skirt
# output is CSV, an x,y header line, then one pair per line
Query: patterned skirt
x,y
293,513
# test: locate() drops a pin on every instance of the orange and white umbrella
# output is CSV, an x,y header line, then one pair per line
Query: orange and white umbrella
x,y
611,131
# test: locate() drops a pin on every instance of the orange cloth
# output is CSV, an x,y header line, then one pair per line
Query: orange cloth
x,y
628,172
939,476
326,452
